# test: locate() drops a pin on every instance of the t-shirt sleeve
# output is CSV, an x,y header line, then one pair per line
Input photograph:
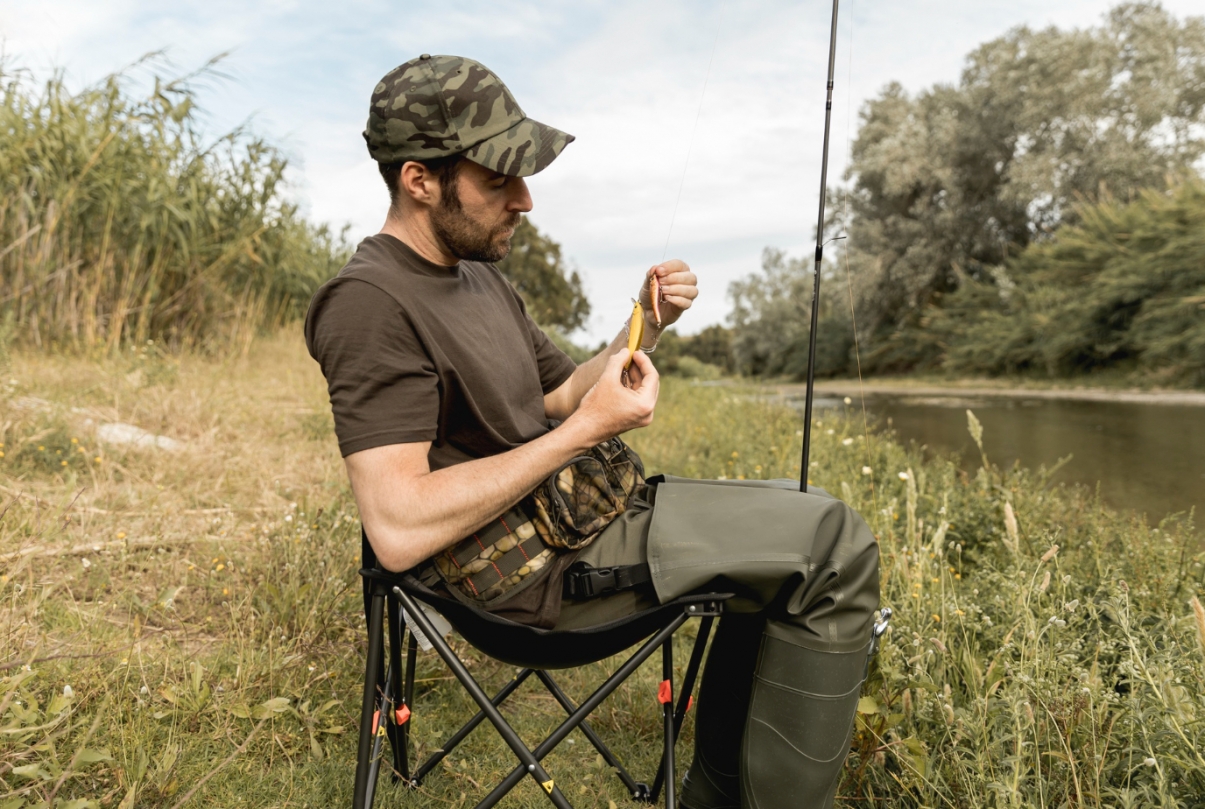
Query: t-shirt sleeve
x,y
383,387
555,365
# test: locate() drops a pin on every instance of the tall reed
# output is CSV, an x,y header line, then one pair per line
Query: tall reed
x,y
118,224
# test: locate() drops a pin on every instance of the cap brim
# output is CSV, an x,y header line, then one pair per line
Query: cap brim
x,y
524,149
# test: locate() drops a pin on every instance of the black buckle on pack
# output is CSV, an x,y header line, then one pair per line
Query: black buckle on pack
x,y
583,581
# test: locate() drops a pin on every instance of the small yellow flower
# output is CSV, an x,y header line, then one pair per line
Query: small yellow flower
x,y
41,448
192,567
220,568
225,591
81,449
121,534
916,595
958,575
936,617
959,613
935,581
62,463
75,441
735,454
96,459
1,453
217,559
740,477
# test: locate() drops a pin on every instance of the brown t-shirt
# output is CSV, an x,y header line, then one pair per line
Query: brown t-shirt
x,y
416,351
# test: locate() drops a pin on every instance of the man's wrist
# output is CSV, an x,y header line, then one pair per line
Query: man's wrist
x,y
579,432
652,332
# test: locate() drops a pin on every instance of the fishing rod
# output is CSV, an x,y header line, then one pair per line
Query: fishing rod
x,y
811,375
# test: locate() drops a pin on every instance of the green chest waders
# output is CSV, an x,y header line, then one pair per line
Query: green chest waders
x,y
784,678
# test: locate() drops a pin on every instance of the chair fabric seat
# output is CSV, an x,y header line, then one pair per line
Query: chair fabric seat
x,y
545,649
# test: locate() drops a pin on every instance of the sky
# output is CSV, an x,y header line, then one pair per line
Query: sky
x,y
699,124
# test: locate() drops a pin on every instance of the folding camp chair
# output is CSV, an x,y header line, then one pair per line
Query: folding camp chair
x,y
389,689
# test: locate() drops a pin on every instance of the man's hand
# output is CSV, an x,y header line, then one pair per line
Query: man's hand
x,y
610,407
679,288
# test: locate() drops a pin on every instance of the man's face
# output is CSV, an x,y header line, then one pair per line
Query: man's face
x,y
477,218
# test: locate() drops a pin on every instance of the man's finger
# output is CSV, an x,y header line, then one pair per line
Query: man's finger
x,y
618,360
644,364
678,301
680,291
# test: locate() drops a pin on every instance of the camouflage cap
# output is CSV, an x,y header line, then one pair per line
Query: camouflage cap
x,y
437,106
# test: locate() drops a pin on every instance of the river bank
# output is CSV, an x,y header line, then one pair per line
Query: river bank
x,y
1003,389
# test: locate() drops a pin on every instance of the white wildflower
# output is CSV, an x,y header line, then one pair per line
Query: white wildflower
x,y
866,470
847,442
1149,761
848,400
903,475
68,692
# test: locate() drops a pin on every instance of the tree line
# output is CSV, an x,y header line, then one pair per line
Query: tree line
x,y
1043,215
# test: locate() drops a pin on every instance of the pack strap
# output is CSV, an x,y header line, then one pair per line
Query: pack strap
x,y
583,581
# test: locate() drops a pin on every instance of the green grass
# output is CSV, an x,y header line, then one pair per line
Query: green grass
x,y
203,608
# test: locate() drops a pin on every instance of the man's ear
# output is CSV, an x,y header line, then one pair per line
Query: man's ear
x,y
419,184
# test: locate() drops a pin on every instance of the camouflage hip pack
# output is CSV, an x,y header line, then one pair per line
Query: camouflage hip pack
x,y
566,512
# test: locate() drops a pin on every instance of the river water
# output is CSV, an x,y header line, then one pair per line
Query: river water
x,y
1149,458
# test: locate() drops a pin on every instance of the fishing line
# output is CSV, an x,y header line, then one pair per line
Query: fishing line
x,y
690,144
849,280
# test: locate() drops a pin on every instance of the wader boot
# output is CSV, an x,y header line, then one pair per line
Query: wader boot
x,y
801,718
713,780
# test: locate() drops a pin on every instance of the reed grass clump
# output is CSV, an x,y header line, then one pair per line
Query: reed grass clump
x,y
119,224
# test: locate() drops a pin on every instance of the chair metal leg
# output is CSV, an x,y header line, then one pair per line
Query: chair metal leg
x,y
394,700
372,674
378,739
688,687
667,709
637,791
408,702
586,708
457,737
530,764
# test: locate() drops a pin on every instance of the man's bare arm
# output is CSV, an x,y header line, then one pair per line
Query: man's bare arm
x,y
679,287
411,513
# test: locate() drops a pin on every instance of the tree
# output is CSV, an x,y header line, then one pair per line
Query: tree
x,y
553,293
948,184
771,313
1125,288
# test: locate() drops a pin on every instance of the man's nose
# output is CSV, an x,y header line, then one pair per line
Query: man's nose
x,y
520,197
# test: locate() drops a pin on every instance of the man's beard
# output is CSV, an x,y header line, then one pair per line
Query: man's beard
x,y
466,238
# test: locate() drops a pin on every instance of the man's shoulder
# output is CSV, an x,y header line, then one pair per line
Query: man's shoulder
x,y
375,257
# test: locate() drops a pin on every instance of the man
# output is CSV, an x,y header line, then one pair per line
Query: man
x,y
443,388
